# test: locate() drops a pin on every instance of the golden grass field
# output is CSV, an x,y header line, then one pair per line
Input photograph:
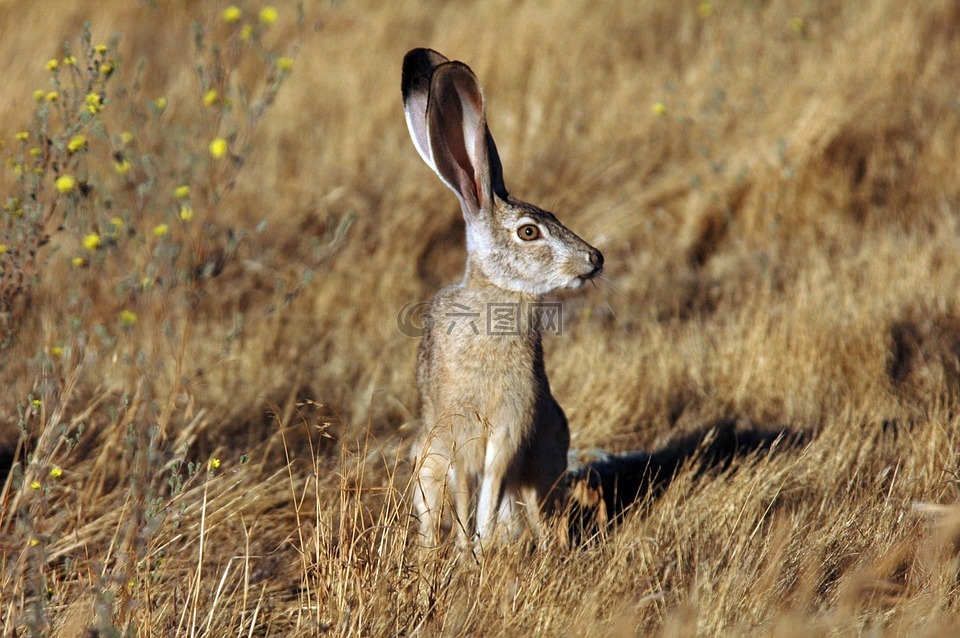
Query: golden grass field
x,y
775,186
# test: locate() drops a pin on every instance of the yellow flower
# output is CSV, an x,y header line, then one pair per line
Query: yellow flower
x,y
268,15
65,183
210,97
231,14
106,68
245,32
659,109
35,486
77,262
52,64
94,102
91,241
218,148
160,103
100,48
35,152
38,95
186,212
128,318
214,463
36,403
76,143
52,96
23,136
70,60
180,192
122,167
34,542
706,9
160,230
146,283
285,64
126,137
55,472
56,352
3,249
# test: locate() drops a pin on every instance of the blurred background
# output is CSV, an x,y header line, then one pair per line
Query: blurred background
x,y
774,185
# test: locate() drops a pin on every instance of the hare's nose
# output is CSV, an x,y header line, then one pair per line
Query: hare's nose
x,y
596,258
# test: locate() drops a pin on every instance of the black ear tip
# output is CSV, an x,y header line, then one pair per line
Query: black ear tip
x,y
418,66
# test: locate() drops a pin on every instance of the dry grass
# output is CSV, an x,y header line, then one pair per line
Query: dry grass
x,y
783,249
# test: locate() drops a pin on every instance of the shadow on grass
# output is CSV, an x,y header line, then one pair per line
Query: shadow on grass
x,y
605,486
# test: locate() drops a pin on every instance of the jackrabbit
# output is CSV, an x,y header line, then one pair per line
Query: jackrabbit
x,y
488,418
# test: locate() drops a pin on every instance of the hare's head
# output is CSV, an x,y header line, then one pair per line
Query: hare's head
x,y
517,246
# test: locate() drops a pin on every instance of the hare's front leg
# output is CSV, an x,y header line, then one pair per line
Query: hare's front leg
x,y
497,461
461,505
491,493
441,481
428,498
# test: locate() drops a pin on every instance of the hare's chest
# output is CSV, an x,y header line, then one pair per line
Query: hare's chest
x,y
486,359
492,374
483,354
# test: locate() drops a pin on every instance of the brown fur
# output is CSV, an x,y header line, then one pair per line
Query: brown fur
x,y
492,437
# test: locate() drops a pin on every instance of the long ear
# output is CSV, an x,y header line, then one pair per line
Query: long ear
x,y
418,67
457,128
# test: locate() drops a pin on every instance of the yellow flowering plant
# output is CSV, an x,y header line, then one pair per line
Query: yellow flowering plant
x,y
115,202
95,167
108,182
52,184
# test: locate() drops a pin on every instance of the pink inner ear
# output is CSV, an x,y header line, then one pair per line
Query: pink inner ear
x,y
458,134
474,139
454,137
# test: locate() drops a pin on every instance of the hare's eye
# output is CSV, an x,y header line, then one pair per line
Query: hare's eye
x,y
528,232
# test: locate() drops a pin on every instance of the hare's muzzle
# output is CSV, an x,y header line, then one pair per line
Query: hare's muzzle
x,y
590,267
596,260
